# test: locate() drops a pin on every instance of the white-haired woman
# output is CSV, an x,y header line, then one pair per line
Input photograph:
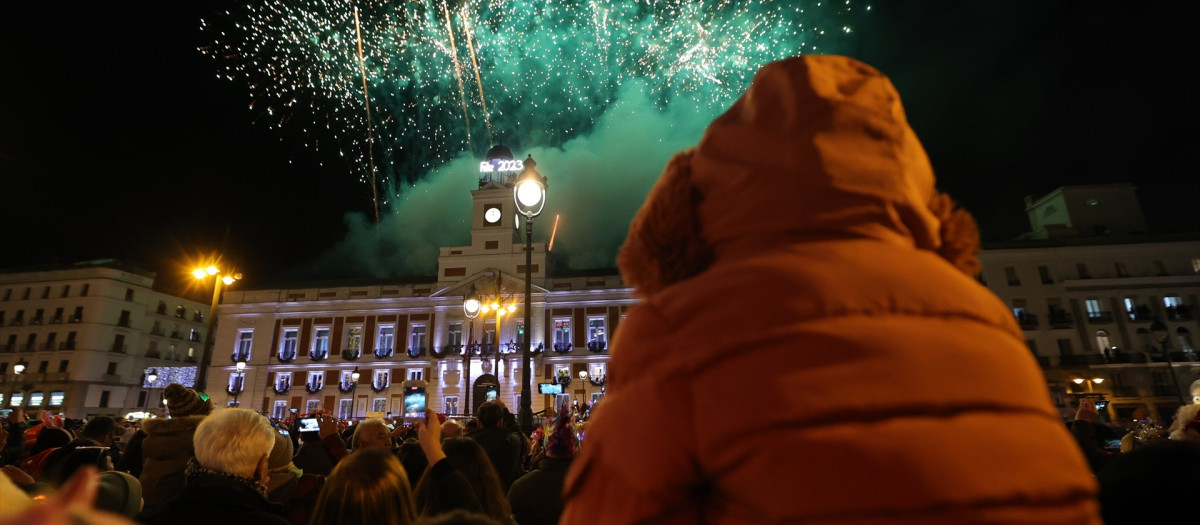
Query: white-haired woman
x,y
226,480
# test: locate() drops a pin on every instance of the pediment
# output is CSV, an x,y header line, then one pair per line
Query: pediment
x,y
485,283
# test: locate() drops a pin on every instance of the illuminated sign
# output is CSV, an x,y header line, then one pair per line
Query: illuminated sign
x,y
501,165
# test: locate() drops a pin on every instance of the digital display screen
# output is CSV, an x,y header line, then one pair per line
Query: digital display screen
x,y
309,424
414,401
549,388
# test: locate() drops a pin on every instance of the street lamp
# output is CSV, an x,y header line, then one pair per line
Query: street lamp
x,y
529,193
241,382
471,308
151,377
19,368
1158,329
218,280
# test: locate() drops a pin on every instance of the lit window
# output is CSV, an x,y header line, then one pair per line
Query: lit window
x,y
1172,301
415,375
312,405
1102,341
287,349
596,330
382,377
56,398
562,332
35,399
245,339
379,404
17,399
354,341
280,409
417,339
320,347
345,408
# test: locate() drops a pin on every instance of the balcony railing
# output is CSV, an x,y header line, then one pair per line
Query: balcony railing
x,y
416,352
383,352
1100,317
66,345
282,387
49,345
111,378
379,387
1179,313
1027,321
562,348
176,335
314,387
240,357
351,354
563,379
29,347
346,388
124,323
287,356
1059,319
1125,391
120,349
599,345
36,321
1140,314
445,350
7,348
238,386
319,355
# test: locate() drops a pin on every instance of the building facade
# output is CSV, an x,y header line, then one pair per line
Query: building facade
x,y
82,337
1094,294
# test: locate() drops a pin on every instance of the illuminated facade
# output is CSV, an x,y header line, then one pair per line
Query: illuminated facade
x,y
1088,284
86,334
303,345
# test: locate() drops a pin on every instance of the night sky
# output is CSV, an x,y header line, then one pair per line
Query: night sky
x,y
117,140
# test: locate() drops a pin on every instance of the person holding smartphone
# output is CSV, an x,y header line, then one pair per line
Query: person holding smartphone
x,y
321,447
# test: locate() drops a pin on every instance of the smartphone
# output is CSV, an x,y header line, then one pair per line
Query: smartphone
x,y
309,424
414,403
285,433
293,410
1101,405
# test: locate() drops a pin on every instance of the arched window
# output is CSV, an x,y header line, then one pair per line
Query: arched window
x,y
1102,341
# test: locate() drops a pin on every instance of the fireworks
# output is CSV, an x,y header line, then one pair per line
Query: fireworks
x,y
445,77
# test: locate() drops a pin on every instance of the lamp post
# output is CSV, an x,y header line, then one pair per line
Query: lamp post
x,y
241,382
529,193
471,307
18,369
151,377
1158,329
218,280
583,384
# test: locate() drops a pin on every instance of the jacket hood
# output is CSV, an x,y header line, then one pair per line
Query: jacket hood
x,y
818,147
174,425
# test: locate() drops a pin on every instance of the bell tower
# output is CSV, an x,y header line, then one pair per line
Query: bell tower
x,y
494,226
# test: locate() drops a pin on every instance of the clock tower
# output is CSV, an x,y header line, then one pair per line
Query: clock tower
x,y
494,227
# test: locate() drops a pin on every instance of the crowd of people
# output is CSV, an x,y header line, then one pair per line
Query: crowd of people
x,y
801,247
201,465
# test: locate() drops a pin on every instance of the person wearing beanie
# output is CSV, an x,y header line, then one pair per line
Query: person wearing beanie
x,y
899,389
120,493
536,497
167,445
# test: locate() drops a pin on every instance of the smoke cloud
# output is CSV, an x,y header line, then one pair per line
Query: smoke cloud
x,y
596,181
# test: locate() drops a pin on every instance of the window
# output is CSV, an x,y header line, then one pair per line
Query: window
x,y
1121,270
561,371
194,335
452,405
489,331
598,370
46,292
1185,339
354,341
124,319
62,365
596,397
25,296
316,380
320,348
1195,269
1082,270
180,311
562,333
387,340
417,339
312,405
1102,341
58,316
84,291
381,378
42,366
279,409
129,294
66,291
8,292
1172,301
562,402
112,369
1093,308
244,341
415,375
596,331
118,344
287,349
1064,347
56,398
1010,273
17,399
345,408
283,381
1044,273
1032,344
521,331
379,404
77,317
35,399
454,334
236,381
104,395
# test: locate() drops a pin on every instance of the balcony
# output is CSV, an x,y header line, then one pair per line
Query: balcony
x,y
314,387
1027,321
318,355
36,321
287,356
120,349
562,348
67,345
29,347
384,353
56,320
123,323
1081,360
153,354
17,322
416,352
1140,314
48,346
240,357
1179,313
7,349
441,353
380,386
282,387
176,335
110,378
598,345
350,354
1100,317
75,319
195,338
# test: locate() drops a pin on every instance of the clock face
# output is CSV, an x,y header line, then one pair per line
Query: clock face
x,y
492,215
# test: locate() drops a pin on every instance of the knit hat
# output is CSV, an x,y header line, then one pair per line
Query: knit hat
x,y
119,492
279,463
562,442
183,401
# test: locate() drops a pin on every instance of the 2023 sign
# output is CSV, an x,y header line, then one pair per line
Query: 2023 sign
x,y
489,166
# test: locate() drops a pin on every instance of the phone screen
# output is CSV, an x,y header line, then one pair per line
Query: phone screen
x,y
309,424
414,402
1101,405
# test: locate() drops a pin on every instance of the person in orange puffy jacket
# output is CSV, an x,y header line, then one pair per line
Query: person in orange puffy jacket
x,y
811,326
